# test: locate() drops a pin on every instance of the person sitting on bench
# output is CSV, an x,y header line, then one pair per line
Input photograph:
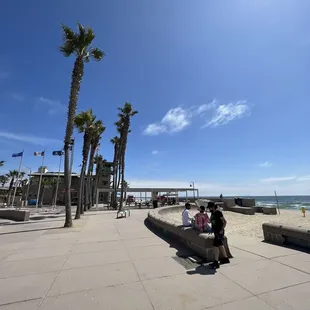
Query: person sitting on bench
x,y
202,220
186,216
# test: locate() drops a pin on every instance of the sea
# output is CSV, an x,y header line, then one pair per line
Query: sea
x,y
285,202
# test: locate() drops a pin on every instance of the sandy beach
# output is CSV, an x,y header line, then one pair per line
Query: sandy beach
x,y
251,225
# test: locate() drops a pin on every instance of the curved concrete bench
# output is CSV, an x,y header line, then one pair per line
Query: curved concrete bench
x,y
242,210
200,243
286,235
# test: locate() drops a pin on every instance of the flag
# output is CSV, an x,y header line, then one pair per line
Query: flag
x,y
59,153
39,153
18,154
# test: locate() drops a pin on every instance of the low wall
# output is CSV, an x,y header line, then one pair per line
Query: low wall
x,y
286,235
15,215
242,210
200,243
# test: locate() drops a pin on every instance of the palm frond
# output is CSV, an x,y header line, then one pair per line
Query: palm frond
x,y
89,36
68,33
96,54
67,49
84,120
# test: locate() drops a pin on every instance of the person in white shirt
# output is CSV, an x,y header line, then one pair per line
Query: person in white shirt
x,y
186,216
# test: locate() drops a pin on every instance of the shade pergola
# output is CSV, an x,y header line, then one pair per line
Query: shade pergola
x,y
153,190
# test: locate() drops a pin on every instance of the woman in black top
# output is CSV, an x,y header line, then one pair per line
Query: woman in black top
x,y
218,223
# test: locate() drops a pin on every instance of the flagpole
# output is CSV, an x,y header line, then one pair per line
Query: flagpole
x,y
38,195
20,164
55,201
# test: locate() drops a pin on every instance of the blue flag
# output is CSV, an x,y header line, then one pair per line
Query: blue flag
x,y
18,154
59,153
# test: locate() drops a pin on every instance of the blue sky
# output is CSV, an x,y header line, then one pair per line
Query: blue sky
x,y
222,89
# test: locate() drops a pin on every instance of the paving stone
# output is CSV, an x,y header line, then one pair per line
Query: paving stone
x,y
263,276
123,297
87,278
192,292
291,298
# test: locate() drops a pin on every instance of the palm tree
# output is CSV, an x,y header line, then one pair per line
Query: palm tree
x,y
78,44
84,122
2,163
115,142
98,130
11,176
3,179
98,161
46,182
123,124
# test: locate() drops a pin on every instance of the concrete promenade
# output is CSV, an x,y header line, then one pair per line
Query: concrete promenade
x,y
119,264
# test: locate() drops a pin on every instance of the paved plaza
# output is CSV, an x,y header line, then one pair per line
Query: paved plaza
x,y
120,264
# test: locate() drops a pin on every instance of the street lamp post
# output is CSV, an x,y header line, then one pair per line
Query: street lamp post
x,y
192,184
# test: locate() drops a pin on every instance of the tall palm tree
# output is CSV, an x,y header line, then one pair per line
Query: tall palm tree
x,y
84,122
79,45
115,141
98,130
125,115
2,163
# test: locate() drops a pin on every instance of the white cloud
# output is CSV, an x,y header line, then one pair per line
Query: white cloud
x,y
155,152
206,107
206,188
174,120
214,115
4,75
154,129
53,106
29,138
266,164
279,179
303,178
225,113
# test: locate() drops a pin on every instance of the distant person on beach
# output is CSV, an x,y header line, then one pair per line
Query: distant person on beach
x,y
218,223
186,216
202,220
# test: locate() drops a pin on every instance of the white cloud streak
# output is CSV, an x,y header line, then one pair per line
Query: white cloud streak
x,y
279,179
29,139
177,119
53,106
155,152
303,178
206,188
225,113
266,164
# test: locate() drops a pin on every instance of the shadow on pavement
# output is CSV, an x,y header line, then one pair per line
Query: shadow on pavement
x,y
204,270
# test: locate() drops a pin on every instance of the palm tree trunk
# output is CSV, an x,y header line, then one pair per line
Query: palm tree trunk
x,y
122,184
9,192
42,197
77,75
79,206
89,172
